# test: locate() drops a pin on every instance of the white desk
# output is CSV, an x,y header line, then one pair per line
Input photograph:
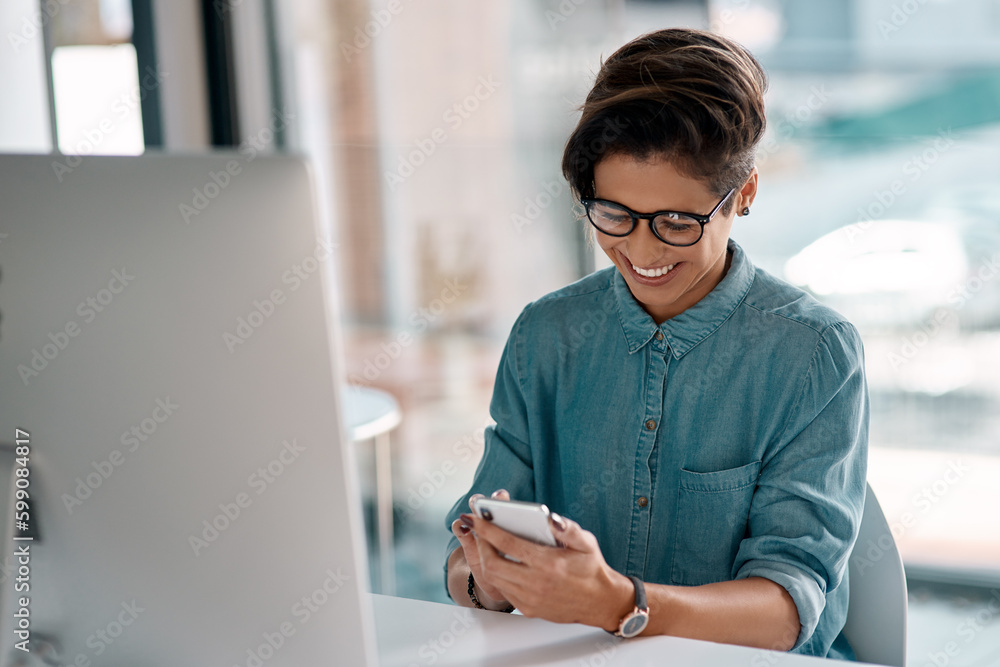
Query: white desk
x,y
371,414
413,632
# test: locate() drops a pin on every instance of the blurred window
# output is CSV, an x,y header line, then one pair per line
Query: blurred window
x,y
878,195
96,81
83,76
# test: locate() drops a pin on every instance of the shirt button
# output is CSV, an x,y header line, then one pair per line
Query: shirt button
x,y
650,425
659,335
643,501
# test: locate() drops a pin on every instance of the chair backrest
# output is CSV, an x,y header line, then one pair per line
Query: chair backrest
x,y
876,616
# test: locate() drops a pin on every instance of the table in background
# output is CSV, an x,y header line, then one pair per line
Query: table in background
x,y
370,415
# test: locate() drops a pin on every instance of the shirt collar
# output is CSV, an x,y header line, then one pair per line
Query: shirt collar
x,y
695,324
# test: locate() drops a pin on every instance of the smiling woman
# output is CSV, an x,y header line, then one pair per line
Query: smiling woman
x,y
709,438
665,276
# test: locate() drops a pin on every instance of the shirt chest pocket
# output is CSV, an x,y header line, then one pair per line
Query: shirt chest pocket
x,y
710,522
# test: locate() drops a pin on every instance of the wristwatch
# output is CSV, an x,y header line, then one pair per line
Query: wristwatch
x,y
635,621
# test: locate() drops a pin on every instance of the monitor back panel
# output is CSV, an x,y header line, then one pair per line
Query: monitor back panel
x,y
167,341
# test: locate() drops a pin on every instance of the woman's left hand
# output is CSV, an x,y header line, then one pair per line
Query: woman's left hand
x,y
572,584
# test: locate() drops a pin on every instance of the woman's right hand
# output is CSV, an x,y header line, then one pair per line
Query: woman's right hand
x,y
495,597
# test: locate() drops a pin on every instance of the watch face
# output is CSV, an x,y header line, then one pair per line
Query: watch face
x,y
634,625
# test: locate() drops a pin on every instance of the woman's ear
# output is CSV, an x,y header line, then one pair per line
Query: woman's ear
x,y
747,193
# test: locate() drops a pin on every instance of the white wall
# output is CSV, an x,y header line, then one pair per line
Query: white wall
x,y
24,112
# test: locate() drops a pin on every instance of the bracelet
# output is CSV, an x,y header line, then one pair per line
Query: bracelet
x,y
475,600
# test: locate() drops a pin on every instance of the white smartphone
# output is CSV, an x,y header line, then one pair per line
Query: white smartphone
x,y
527,520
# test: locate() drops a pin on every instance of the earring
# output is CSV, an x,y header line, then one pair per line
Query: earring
x,y
746,210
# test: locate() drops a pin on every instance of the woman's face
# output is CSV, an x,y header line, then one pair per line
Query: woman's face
x,y
650,186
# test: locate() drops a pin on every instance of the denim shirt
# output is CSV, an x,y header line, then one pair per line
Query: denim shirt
x,y
731,441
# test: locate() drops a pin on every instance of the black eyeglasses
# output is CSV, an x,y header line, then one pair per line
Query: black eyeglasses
x,y
672,227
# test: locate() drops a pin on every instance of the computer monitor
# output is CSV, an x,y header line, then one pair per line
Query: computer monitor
x,y
168,350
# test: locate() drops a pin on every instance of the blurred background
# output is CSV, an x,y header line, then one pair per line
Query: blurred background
x,y
436,129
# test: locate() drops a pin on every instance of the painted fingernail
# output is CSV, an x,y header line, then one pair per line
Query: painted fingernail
x,y
473,499
462,528
558,521
467,520
496,494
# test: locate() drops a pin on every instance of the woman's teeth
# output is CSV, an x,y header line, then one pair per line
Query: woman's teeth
x,y
653,273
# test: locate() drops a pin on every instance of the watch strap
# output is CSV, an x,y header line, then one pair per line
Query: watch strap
x,y
641,608
640,593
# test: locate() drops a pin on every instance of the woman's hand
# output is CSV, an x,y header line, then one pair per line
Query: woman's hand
x,y
462,528
572,584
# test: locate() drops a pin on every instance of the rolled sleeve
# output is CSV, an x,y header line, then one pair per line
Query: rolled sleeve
x,y
807,508
802,586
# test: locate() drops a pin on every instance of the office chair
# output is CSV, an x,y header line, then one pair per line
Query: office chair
x,y
876,615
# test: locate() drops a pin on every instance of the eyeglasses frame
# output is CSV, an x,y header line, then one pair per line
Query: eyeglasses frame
x,y
702,220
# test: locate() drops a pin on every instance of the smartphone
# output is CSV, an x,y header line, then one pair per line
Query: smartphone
x,y
527,520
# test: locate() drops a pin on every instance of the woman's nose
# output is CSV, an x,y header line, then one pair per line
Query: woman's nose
x,y
643,243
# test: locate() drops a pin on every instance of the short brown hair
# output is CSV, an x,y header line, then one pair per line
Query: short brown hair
x,y
691,97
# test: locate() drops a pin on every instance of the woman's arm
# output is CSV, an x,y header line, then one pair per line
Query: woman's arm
x,y
575,585
458,584
465,559
458,577
750,612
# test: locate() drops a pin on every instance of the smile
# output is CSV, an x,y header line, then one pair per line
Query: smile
x,y
653,273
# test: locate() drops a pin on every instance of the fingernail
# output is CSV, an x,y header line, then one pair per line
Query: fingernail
x,y
462,528
467,520
472,499
496,494
559,522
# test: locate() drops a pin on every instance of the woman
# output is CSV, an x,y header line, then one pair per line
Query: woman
x,y
703,423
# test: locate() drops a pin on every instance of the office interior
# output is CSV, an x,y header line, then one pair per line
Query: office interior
x,y
435,131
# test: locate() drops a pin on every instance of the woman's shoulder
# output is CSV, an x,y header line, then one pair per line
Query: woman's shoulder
x,y
797,321
594,284
592,290
774,298
587,302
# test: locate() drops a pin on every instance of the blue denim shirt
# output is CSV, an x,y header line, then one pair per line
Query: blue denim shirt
x,y
731,441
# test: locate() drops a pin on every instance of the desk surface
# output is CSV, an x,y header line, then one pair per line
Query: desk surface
x,y
414,632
